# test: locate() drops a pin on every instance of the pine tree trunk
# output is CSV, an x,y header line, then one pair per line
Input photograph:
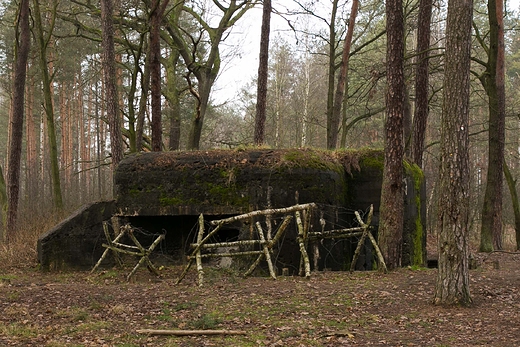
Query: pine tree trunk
x,y
331,132
172,95
156,16
392,198
110,79
339,97
49,107
16,121
452,286
511,182
421,81
263,69
491,231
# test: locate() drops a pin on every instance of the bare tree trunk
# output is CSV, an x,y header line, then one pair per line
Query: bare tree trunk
x,y
491,232
452,287
421,80
31,152
143,102
392,198
511,182
3,205
156,16
342,78
110,78
17,115
173,98
263,69
331,132
43,43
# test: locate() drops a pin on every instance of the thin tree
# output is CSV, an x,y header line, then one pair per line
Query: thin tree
x,y
156,16
23,41
511,182
3,205
420,118
331,132
342,78
43,41
263,69
493,81
173,90
452,286
392,198
110,80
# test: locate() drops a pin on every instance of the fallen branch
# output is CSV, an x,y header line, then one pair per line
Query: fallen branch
x,y
190,332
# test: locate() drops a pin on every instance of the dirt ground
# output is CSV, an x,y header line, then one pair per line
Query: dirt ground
x,y
330,309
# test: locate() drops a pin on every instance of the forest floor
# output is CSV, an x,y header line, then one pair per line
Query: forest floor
x,y
329,309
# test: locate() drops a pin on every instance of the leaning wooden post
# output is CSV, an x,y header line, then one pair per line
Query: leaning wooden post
x,y
144,255
197,249
271,243
303,251
266,250
197,256
378,252
110,245
366,230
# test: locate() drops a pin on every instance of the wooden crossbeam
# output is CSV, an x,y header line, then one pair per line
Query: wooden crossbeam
x,y
302,215
137,250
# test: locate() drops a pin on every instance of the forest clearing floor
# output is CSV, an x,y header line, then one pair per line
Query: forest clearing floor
x,y
329,309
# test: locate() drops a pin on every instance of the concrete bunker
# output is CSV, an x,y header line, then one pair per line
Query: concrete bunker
x,y
165,193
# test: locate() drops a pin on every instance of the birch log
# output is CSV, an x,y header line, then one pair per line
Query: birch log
x,y
198,258
301,241
284,210
266,250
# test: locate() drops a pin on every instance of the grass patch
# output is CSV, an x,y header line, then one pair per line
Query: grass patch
x,y
185,306
18,330
13,296
206,321
93,326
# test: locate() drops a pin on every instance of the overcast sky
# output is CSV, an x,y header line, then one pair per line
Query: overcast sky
x,y
240,50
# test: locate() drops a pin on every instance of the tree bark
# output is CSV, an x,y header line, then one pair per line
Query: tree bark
x,y
392,198
421,80
156,16
491,230
452,285
141,114
110,78
173,98
339,98
511,182
17,115
3,205
263,69
331,144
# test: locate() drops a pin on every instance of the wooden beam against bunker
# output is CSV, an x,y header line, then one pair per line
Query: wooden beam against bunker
x,y
137,250
266,244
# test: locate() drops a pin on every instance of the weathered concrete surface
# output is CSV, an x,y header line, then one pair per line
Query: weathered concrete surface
x,y
76,242
225,182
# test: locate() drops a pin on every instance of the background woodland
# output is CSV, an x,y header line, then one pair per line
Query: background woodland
x,y
168,56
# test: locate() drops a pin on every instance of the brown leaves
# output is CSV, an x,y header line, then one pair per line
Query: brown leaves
x,y
330,309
